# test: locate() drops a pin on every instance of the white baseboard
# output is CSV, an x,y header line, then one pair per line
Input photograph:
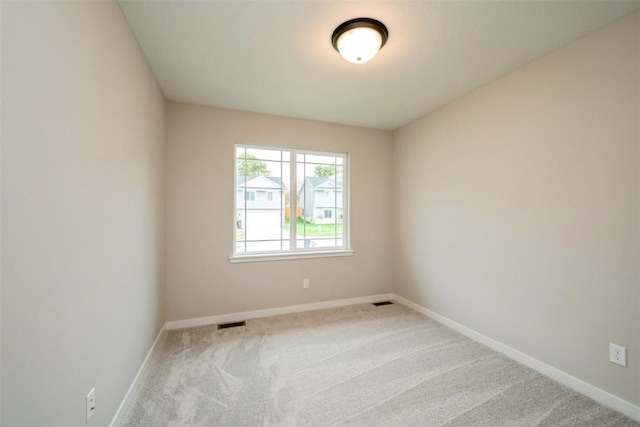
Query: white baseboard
x,y
236,317
599,395
117,418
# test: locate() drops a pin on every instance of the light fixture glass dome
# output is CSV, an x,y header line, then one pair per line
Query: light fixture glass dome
x,y
359,45
360,39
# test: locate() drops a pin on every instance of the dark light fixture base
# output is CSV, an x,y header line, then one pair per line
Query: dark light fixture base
x,y
359,23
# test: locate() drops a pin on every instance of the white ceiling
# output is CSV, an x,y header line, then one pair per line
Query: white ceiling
x,y
276,57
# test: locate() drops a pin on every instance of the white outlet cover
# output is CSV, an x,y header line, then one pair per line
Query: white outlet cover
x,y
91,403
617,354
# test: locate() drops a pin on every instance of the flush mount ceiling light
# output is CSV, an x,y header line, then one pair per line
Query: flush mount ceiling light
x,y
359,40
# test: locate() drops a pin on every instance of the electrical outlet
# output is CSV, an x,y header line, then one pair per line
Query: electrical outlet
x,y
617,354
91,403
305,283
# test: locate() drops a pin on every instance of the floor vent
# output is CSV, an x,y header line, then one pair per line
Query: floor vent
x,y
382,303
231,325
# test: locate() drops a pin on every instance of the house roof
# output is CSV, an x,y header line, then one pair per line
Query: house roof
x,y
321,182
276,180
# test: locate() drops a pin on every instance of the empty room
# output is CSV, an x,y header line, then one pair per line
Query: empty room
x,y
319,213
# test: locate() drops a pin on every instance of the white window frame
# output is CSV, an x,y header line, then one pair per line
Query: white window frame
x,y
294,252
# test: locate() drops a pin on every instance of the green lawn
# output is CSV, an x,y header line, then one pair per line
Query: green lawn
x,y
305,228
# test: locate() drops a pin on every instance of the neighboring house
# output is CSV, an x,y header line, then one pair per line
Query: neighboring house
x,y
321,200
259,199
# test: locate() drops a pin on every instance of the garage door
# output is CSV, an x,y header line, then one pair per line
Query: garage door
x,y
263,219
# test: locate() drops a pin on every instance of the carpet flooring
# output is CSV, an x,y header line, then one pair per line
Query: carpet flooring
x,y
359,365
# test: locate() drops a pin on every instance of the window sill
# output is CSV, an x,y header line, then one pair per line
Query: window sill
x,y
289,256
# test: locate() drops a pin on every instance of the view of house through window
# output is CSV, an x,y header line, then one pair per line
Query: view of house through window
x,y
289,200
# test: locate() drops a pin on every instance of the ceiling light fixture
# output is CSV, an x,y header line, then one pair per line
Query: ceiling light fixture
x,y
359,40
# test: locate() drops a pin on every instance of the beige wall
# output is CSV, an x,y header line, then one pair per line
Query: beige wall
x,y
82,188
521,204
200,217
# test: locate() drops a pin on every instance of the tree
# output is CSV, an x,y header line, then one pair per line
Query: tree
x,y
325,171
248,165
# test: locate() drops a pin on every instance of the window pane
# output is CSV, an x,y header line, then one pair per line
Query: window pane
x,y
270,246
264,154
261,177
321,201
311,158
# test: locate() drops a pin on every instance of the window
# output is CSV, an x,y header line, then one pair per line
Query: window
x,y
301,192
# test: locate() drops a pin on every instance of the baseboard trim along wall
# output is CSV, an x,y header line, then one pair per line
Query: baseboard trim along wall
x,y
236,317
599,395
117,418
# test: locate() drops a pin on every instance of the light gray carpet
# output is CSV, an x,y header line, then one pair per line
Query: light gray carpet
x,y
358,366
